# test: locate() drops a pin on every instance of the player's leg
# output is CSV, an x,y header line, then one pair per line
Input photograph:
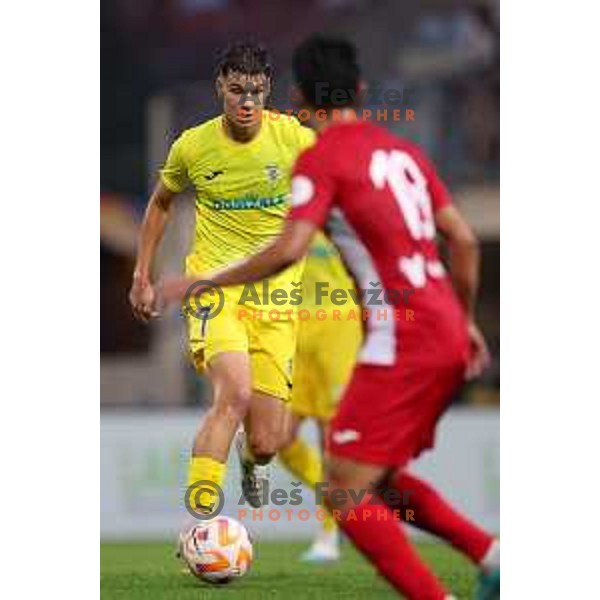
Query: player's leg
x,y
375,531
312,397
304,462
309,393
326,546
219,348
265,422
265,425
437,516
324,362
365,441
297,456
272,346
430,511
230,376
434,514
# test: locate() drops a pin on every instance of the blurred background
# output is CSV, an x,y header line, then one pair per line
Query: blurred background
x,y
157,78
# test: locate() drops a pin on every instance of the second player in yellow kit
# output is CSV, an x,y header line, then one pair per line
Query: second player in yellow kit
x,y
242,195
327,342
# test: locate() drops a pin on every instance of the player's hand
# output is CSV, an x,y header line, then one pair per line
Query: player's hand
x,y
142,297
480,355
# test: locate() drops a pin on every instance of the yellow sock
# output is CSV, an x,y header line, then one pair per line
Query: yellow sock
x,y
204,468
304,462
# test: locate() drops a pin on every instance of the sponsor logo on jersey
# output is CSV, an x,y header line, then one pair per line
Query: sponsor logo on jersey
x,y
249,203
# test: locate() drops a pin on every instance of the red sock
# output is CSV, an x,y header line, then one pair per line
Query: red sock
x,y
379,536
433,514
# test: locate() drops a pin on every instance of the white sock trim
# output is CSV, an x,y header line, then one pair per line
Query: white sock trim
x,y
491,560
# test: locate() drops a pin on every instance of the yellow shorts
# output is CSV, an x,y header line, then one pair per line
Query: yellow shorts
x,y
238,328
325,356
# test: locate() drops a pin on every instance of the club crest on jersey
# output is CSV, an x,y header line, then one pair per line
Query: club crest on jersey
x,y
273,173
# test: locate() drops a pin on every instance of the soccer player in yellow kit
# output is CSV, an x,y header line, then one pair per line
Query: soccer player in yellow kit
x,y
239,165
328,342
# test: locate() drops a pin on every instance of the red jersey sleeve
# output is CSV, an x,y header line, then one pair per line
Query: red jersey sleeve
x,y
312,189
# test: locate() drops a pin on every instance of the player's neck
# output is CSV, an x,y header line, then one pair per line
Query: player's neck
x,y
242,135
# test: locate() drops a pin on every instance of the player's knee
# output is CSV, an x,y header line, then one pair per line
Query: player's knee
x,y
263,446
335,478
334,468
233,403
342,474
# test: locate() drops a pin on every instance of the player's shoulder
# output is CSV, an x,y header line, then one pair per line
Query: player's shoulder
x,y
193,134
362,138
198,141
336,145
288,128
357,133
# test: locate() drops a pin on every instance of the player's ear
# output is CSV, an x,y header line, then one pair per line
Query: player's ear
x,y
268,88
219,87
362,89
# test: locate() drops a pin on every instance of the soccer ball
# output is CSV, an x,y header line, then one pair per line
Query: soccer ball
x,y
217,551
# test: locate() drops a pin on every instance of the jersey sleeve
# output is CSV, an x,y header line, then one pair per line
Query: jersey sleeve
x,y
440,196
174,172
298,136
312,190
306,137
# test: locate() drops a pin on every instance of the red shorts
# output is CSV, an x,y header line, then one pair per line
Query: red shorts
x,y
388,415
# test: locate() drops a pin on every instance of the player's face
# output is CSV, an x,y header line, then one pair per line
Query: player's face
x,y
244,97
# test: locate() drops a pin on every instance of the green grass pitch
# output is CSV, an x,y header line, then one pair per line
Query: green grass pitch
x,y
150,571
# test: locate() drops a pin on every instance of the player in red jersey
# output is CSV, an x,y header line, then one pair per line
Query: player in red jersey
x,y
381,202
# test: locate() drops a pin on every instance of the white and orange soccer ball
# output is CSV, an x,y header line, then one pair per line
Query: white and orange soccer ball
x,y
217,551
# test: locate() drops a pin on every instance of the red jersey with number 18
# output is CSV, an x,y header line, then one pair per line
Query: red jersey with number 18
x,y
376,195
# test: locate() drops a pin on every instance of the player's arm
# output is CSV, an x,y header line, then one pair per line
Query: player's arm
x,y
463,249
290,246
464,260
462,243
142,293
173,179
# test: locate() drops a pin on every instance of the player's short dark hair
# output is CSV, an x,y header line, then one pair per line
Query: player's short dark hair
x,y
246,58
324,65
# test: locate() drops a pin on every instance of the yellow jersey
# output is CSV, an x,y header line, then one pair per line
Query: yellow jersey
x,y
324,266
242,190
